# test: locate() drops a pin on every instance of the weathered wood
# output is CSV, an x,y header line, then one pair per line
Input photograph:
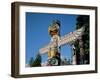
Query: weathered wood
x,y
66,39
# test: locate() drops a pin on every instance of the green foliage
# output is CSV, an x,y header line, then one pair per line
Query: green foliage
x,y
65,61
36,62
83,21
31,61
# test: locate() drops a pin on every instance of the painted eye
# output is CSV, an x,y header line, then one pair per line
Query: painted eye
x,y
53,61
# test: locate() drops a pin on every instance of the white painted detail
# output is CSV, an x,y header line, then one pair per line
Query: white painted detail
x,y
66,39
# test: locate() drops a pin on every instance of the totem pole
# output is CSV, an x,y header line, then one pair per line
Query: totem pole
x,y
54,49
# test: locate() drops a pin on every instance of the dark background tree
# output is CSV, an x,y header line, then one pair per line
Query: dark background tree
x,y
36,62
83,21
31,61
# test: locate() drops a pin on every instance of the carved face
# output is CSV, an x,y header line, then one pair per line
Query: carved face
x,y
54,29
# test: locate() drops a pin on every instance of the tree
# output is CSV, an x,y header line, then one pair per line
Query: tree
x,y
31,61
36,62
83,21
64,61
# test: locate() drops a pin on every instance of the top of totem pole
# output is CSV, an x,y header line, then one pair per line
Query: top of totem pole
x,y
54,27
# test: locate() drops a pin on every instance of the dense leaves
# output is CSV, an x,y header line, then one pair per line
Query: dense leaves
x,y
36,62
83,21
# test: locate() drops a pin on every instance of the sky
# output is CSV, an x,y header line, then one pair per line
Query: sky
x,y
37,35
